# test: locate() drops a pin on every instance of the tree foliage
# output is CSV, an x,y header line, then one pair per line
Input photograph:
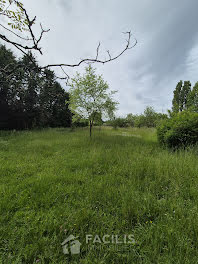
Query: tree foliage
x,y
177,98
180,130
181,99
31,98
193,99
14,12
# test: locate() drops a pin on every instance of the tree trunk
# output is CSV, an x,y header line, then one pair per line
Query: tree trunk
x,y
90,128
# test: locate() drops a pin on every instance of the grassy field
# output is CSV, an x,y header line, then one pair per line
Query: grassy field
x,y
54,183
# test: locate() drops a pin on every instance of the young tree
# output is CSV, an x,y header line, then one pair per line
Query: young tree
x,y
150,116
89,97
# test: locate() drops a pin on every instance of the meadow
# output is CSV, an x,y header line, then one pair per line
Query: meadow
x,y
58,182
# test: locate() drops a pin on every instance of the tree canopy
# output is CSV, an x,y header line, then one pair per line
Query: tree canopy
x,y
184,97
29,97
90,97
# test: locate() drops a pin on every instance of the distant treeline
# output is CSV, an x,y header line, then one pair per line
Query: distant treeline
x,y
185,99
29,97
149,118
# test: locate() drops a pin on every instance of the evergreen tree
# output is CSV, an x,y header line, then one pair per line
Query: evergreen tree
x,y
30,90
30,98
7,87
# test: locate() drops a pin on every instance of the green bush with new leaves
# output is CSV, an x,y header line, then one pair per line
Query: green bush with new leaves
x,y
180,130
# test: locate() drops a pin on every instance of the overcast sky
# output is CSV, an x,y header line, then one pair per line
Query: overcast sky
x,y
167,49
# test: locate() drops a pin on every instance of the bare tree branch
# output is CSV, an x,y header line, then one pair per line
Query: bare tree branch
x,y
97,51
34,46
92,60
109,54
30,23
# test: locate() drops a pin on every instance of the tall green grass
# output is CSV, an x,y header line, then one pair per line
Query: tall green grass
x,y
58,182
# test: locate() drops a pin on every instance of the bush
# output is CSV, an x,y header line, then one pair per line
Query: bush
x,y
180,130
118,122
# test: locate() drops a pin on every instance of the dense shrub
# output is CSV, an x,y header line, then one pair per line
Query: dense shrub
x,y
180,130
